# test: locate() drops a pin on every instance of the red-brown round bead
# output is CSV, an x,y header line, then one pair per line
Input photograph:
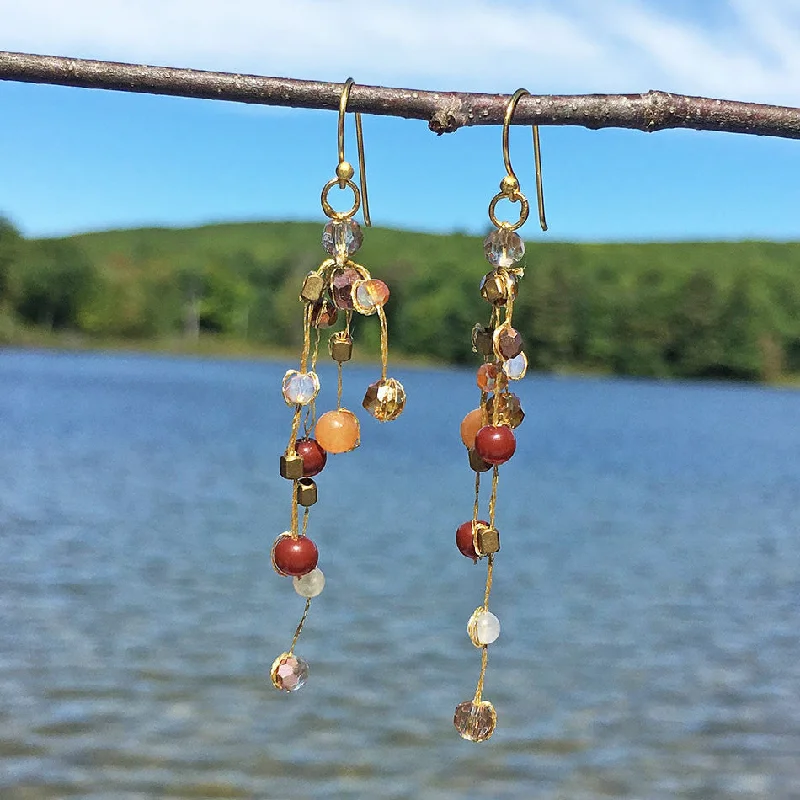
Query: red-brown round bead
x,y
314,457
495,444
464,539
294,557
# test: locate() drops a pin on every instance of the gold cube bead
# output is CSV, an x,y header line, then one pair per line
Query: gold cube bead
x,y
313,287
341,347
291,467
485,539
476,463
482,341
306,492
498,287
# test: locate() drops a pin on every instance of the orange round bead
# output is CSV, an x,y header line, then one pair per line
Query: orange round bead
x,y
470,426
338,431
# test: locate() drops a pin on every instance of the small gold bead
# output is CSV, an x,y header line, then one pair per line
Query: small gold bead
x,y
345,171
485,540
313,287
306,492
509,185
291,467
341,347
497,287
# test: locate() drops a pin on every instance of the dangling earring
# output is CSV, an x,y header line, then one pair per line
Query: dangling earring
x,y
338,285
487,432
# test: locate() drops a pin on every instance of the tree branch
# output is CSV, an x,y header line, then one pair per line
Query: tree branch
x,y
444,111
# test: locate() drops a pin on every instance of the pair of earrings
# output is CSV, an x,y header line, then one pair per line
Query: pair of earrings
x,y
340,285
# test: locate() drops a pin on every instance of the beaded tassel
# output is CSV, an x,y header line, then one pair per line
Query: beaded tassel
x,y
339,285
488,431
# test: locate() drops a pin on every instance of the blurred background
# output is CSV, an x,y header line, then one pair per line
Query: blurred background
x,y
151,251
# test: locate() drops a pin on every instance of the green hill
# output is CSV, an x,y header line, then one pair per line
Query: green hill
x,y
688,309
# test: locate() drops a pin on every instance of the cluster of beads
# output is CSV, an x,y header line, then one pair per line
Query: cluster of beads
x,y
337,288
488,434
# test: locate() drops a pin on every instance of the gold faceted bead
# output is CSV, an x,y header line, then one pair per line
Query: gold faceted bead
x,y
306,492
341,347
509,410
385,399
291,467
313,287
482,342
509,185
476,463
475,721
497,287
485,539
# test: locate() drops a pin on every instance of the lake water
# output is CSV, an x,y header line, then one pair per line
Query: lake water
x,y
648,587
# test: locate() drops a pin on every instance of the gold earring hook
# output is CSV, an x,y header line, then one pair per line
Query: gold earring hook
x,y
341,169
537,155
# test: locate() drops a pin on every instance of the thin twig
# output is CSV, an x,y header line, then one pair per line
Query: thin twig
x,y
444,111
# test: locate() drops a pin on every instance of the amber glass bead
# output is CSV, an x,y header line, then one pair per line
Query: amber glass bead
x,y
314,457
464,540
294,556
323,314
486,377
495,443
338,431
509,409
369,295
475,721
470,425
385,399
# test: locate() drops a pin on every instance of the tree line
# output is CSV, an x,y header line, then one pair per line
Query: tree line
x,y
689,310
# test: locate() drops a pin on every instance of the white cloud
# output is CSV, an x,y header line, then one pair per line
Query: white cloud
x,y
546,45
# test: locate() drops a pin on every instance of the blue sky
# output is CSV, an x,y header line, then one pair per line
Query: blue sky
x,y
75,160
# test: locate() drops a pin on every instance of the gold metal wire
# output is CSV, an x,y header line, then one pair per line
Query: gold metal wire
x,y
300,626
362,169
537,153
384,343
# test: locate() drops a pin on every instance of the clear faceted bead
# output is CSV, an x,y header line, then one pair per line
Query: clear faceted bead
x,y
516,367
289,672
341,238
475,721
503,247
483,627
385,399
311,584
300,388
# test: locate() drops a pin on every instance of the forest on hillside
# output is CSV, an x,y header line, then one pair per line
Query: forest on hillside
x,y
711,309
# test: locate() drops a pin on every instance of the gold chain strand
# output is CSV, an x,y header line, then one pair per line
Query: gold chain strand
x,y
294,526
305,520
476,507
489,579
493,497
384,343
300,626
484,663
